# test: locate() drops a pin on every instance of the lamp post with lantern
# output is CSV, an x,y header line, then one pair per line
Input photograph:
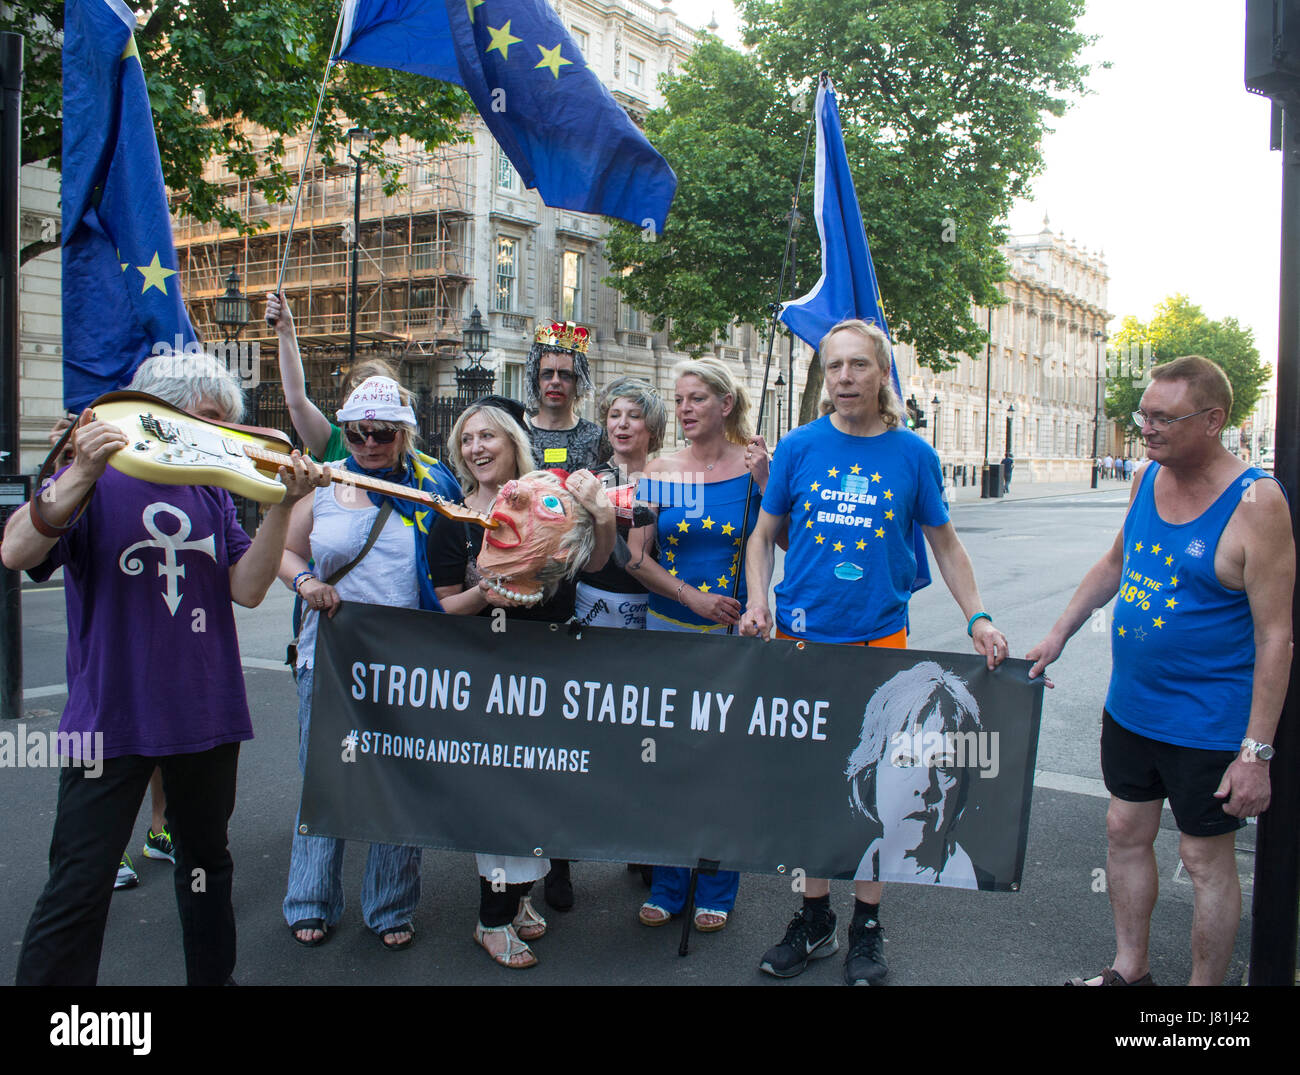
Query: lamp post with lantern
x,y
474,380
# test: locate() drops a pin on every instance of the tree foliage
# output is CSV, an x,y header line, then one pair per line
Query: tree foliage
x,y
215,66
942,104
1180,327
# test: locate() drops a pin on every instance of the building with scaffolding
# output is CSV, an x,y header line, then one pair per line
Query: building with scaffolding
x,y
462,233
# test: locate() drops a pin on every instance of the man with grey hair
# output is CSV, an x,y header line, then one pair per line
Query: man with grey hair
x,y
1204,568
556,379
150,574
848,488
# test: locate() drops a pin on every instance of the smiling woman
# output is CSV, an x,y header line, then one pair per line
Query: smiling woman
x,y
544,523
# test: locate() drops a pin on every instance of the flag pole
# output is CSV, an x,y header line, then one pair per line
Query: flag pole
x,y
775,308
302,169
689,915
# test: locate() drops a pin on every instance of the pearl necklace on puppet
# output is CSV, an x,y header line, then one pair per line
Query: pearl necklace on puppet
x,y
497,587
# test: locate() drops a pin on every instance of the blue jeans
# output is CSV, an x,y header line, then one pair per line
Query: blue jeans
x,y
713,892
390,890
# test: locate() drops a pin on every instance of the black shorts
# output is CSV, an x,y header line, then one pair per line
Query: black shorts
x,y
1140,770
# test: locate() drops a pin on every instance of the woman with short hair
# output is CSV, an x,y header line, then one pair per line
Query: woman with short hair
x,y
634,418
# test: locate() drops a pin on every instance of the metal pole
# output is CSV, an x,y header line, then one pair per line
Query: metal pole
x,y
11,114
356,250
1277,857
1100,337
985,482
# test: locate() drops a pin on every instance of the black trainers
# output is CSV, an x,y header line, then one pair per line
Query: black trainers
x,y
804,939
865,962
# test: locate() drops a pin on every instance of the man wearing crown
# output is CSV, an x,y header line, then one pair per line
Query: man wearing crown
x,y
556,378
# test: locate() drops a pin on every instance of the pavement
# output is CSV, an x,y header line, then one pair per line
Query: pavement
x,y
1029,551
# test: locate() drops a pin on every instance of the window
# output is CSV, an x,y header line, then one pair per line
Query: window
x,y
507,273
571,275
628,319
635,71
507,177
580,38
512,380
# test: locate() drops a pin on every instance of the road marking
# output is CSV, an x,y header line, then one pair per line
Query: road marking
x,y
261,664
264,665
1079,785
44,692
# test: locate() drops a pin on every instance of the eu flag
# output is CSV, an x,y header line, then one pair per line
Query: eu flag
x,y
561,128
121,294
847,287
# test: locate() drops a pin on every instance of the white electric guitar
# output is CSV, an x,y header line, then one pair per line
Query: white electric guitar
x,y
173,447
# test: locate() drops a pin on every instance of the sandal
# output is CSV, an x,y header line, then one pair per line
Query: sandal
x,y
529,925
1109,976
514,946
397,946
310,923
651,914
709,927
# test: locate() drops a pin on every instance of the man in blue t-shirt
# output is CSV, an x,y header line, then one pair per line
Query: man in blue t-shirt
x,y
849,487
1204,567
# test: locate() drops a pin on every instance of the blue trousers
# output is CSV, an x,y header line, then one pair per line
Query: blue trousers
x,y
713,892
390,890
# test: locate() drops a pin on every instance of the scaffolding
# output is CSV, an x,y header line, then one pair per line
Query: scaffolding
x,y
416,258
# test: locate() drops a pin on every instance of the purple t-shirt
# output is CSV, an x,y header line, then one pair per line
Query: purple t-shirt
x,y
153,658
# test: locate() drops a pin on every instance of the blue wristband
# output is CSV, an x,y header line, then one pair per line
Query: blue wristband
x,y
970,627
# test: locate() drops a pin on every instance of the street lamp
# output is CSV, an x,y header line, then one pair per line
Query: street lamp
x,y
358,137
474,380
934,403
1011,410
780,383
1100,337
232,308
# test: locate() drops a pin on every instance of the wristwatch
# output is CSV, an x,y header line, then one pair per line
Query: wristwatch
x,y
1252,749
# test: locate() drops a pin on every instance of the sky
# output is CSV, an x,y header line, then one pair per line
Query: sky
x,y
1164,166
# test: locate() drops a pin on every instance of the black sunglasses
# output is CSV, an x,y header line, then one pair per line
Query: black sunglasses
x,y
379,436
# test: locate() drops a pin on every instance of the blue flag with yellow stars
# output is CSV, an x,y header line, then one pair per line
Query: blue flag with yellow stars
x,y
561,128
121,294
847,286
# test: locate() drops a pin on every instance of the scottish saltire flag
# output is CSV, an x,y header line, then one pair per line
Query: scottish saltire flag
x,y
561,128
121,293
847,286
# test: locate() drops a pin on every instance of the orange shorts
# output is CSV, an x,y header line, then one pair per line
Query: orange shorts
x,y
898,640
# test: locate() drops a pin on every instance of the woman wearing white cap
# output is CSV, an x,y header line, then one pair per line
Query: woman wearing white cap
x,y
332,528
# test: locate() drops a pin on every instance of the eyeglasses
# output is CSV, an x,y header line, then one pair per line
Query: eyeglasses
x,y
1141,418
379,436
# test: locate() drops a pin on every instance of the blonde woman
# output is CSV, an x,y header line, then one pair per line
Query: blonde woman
x,y
490,448
701,495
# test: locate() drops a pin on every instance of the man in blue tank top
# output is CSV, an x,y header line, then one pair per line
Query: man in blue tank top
x,y
1201,656
848,489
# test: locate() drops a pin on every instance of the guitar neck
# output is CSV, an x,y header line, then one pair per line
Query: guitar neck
x,y
275,460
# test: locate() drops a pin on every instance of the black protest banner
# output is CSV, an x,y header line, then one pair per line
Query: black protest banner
x,y
670,748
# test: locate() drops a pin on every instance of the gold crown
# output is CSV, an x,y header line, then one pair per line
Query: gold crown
x,y
563,334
